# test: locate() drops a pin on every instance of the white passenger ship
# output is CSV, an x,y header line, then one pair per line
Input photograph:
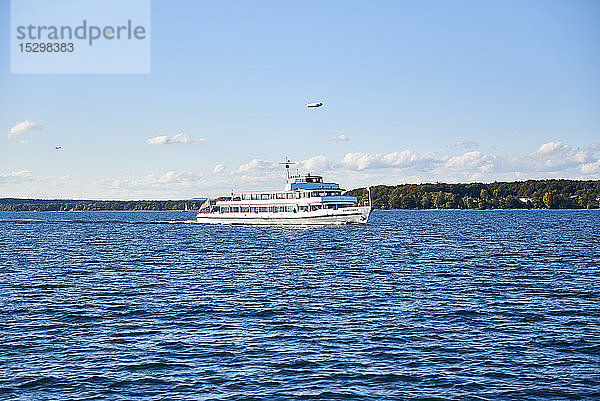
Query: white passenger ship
x,y
306,200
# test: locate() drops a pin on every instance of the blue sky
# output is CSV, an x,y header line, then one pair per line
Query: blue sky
x,y
414,92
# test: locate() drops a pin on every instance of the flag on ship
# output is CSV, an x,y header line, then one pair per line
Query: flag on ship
x,y
206,204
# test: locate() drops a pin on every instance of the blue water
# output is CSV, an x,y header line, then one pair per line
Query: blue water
x,y
457,305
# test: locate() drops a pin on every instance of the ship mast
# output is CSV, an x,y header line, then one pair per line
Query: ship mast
x,y
287,163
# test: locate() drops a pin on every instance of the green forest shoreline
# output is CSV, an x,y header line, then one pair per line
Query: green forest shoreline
x,y
531,194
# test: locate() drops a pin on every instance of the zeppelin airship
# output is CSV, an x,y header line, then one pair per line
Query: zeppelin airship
x,y
312,105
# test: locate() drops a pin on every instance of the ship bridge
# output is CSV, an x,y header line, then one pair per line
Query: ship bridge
x,y
309,182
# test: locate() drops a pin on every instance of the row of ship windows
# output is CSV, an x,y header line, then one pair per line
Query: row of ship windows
x,y
286,195
274,209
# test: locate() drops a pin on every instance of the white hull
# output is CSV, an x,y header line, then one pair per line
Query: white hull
x,y
348,215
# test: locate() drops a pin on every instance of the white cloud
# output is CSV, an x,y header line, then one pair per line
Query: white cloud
x,y
16,177
339,138
255,166
550,160
558,153
175,139
470,161
255,175
362,168
360,161
551,147
551,157
22,127
406,158
315,164
260,169
466,144
591,168
177,177
166,181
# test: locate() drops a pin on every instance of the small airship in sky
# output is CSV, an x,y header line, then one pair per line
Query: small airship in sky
x,y
314,105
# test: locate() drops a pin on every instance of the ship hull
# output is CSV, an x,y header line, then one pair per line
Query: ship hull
x,y
343,216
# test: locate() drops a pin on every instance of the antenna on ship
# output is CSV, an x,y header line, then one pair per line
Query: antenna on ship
x,y
287,165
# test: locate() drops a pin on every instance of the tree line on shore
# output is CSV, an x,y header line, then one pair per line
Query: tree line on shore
x,y
64,205
531,194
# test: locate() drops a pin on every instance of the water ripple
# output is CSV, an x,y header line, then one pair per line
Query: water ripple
x,y
427,305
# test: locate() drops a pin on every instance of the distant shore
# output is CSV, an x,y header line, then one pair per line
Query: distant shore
x,y
379,210
531,194
70,205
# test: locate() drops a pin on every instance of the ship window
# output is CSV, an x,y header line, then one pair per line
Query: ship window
x,y
280,196
289,208
290,195
264,196
271,209
224,210
262,209
245,209
235,209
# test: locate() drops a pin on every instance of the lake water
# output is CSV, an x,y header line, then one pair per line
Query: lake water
x,y
457,305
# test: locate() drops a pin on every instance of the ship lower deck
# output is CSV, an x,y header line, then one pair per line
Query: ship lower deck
x,y
343,216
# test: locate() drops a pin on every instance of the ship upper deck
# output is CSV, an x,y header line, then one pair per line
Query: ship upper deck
x,y
308,188
309,182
